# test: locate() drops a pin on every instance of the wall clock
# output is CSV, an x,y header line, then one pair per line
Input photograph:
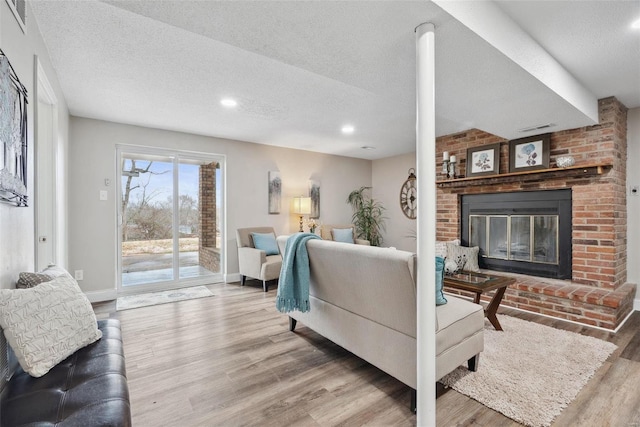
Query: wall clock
x,y
409,196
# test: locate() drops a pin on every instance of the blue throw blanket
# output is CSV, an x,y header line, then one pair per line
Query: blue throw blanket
x,y
293,286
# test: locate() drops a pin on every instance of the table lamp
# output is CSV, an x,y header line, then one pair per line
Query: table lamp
x,y
301,206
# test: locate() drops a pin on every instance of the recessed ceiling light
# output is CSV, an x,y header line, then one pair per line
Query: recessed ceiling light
x,y
348,129
228,102
368,147
636,24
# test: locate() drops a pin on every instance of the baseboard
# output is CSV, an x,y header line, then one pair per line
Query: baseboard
x,y
99,296
231,278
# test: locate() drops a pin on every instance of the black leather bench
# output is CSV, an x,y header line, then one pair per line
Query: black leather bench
x,y
89,388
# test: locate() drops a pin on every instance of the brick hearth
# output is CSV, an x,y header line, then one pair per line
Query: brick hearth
x,y
598,293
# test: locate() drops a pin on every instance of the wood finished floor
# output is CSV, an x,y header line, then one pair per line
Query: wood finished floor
x,y
230,360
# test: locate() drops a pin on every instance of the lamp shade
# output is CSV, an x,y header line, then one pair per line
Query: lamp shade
x,y
302,205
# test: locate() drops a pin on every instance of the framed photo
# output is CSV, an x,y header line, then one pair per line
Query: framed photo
x,y
529,153
484,160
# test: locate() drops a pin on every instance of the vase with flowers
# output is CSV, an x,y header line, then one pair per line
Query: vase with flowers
x,y
313,224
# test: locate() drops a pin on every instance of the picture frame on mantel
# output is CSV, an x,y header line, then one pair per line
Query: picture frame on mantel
x,y
483,160
530,153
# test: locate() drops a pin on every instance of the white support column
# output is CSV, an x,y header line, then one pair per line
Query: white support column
x,y
426,223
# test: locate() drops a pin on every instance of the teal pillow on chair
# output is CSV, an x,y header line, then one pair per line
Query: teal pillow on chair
x,y
344,235
440,299
265,242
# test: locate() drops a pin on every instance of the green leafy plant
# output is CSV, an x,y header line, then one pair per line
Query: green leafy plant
x,y
368,216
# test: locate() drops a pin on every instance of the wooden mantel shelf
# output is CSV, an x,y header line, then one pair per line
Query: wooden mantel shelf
x,y
578,171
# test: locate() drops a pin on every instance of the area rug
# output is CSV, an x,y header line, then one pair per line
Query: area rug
x,y
155,298
530,372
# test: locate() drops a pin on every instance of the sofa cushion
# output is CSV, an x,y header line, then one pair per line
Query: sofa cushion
x,y
457,320
56,271
265,242
440,299
450,266
271,267
467,258
47,323
29,280
343,235
441,247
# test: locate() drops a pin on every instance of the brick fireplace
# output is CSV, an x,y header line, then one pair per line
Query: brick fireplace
x,y
597,293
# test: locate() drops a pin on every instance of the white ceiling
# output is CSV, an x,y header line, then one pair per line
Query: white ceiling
x,y
300,70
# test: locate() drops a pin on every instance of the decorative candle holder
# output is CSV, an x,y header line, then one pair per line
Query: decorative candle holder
x,y
452,170
445,168
445,164
452,167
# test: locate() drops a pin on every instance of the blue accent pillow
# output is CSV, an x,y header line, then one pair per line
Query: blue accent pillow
x,y
440,299
344,235
265,242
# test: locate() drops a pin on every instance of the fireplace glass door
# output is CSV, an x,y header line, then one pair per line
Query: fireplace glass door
x,y
531,238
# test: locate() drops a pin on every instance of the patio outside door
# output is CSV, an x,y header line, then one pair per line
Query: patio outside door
x,y
169,233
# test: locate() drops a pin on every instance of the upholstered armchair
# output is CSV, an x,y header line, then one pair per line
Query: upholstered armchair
x,y
326,232
262,263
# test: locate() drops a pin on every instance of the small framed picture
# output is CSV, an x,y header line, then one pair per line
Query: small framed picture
x,y
484,160
529,153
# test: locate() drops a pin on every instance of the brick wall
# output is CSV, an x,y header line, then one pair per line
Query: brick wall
x,y
208,255
598,293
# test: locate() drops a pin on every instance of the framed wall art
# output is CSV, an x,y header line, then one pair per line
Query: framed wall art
x,y
13,135
529,153
484,160
275,192
314,193
19,9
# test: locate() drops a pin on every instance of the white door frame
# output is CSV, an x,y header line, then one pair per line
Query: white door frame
x,y
47,207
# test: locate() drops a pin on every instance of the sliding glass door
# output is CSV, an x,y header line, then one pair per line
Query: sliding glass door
x,y
170,227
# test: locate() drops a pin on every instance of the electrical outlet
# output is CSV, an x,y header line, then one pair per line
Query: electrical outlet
x,y
79,274
103,194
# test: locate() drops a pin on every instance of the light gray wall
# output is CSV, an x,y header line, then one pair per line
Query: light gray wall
x,y
388,176
633,202
17,246
92,223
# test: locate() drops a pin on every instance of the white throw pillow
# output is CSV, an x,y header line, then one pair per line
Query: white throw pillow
x,y
462,253
441,247
55,271
47,323
450,266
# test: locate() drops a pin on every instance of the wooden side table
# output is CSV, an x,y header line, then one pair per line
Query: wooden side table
x,y
480,283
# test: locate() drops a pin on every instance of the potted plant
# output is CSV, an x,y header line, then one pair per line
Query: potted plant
x,y
368,216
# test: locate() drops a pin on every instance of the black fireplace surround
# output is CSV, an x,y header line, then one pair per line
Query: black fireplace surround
x,y
542,206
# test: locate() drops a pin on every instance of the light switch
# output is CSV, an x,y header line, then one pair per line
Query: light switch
x,y
103,194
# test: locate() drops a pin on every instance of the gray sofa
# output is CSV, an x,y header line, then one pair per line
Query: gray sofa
x,y
363,298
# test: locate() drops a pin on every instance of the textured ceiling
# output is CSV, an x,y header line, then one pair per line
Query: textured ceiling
x,y
302,69
593,40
